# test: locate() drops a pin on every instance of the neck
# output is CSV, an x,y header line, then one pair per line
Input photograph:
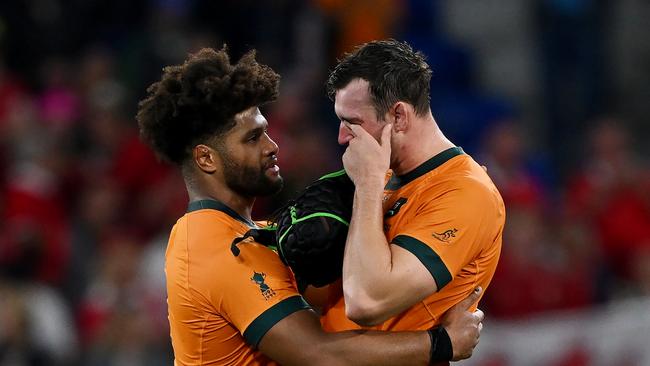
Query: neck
x,y
218,191
421,142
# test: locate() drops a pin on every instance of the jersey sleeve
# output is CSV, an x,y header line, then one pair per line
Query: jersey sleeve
x,y
445,232
257,292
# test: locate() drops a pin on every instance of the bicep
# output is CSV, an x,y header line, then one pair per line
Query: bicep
x,y
412,282
416,272
292,340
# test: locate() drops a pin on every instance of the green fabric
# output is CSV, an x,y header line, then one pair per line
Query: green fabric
x,y
427,256
210,204
271,316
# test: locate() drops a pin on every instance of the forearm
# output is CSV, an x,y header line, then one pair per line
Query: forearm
x,y
375,348
367,253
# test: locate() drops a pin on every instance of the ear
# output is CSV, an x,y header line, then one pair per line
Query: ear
x,y
401,117
205,158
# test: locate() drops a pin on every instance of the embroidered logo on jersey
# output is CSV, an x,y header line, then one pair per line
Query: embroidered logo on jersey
x,y
446,235
396,206
258,279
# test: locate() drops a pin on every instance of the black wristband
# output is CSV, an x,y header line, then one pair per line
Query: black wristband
x,y
441,349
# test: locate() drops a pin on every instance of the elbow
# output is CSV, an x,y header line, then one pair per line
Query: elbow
x,y
364,311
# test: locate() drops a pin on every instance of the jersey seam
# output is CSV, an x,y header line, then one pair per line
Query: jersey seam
x,y
431,314
478,274
205,321
190,291
188,288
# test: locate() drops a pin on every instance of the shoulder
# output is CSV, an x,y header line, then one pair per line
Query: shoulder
x,y
203,240
464,181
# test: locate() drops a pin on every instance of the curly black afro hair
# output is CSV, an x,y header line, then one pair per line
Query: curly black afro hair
x,y
198,100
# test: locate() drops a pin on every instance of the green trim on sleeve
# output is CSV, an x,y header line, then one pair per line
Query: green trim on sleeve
x,y
427,256
271,316
335,174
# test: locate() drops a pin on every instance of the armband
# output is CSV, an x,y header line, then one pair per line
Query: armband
x,y
441,348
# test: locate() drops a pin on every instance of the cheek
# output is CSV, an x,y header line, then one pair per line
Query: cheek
x,y
375,131
241,157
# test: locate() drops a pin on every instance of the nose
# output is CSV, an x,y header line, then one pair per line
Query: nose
x,y
271,148
345,135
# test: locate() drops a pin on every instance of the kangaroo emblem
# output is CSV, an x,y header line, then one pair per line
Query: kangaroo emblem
x,y
446,235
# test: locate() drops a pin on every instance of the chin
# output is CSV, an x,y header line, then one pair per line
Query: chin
x,y
271,187
277,183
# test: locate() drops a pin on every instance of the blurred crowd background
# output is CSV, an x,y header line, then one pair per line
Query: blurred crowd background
x,y
552,96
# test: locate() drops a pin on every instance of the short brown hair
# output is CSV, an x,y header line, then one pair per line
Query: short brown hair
x,y
394,71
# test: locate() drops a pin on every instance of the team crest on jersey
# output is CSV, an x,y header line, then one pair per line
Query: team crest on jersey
x,y
396,207
446,236
258,279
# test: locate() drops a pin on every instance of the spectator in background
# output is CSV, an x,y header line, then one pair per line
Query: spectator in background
x,y
59,103
536,247
539,242
610,193
33,204
119,322
35,325
505,153
640,272
14,342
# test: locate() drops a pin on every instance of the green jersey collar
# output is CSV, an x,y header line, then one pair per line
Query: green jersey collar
x,y
396,181
210,204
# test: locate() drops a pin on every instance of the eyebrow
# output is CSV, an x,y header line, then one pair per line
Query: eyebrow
x,y
352,120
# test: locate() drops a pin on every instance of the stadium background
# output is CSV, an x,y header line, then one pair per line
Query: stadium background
x,y
551,95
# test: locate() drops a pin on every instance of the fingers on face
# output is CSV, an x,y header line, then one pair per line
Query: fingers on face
x,y
355,129
385,134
